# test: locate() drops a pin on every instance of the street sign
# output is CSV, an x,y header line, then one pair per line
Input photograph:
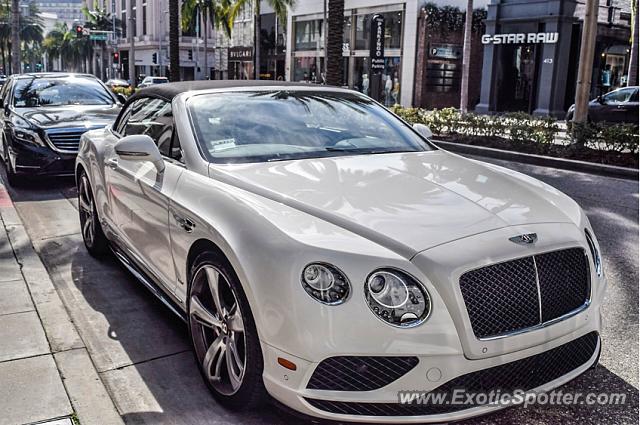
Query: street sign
x,y
98,37
376,43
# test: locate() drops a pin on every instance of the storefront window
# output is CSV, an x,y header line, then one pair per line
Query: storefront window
x,y
389,84
308,35
392,33
307,69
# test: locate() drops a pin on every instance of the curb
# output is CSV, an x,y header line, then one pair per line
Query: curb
x,y
546,161
87,393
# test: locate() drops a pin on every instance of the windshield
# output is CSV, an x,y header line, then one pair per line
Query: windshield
x,y
57,91
282,125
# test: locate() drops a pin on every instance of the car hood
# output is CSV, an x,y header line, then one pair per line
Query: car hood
x,y
407,202
68,116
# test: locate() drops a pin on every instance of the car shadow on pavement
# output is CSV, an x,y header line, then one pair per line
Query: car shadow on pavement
x,y
139,347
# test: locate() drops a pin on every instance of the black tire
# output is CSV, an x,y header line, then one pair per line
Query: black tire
x,y
251,393
12,178
94,239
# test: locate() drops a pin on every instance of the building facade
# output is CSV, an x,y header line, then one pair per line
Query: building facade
x,y
305,53
67,11
532,49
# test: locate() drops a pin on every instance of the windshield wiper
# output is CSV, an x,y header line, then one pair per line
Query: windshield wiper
x,y
372,151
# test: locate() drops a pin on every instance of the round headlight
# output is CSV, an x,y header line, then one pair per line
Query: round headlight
x,y
397,298
325,283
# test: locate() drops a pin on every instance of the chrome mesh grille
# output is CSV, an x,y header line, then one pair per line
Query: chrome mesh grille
x,y
67,139
524,374
564,282
519,294
354,373
501,298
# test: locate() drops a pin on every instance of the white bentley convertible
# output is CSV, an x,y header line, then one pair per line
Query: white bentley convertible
x,y
326,253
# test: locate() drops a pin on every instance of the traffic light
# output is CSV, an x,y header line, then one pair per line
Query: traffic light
x,y
116,57
190,54
79,31
154,58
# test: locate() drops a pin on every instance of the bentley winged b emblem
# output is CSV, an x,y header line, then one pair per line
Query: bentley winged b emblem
x,y
525,239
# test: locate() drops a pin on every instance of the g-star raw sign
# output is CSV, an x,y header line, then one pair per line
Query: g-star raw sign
x,y
520,38
376,43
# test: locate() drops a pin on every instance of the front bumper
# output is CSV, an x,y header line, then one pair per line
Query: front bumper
x,y
444,345
432,374
31,160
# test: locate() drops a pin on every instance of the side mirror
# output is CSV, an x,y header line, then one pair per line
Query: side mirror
x,y
600,100
423,130
121,98
140,148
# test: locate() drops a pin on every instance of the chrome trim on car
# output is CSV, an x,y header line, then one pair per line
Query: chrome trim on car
x,y
551,322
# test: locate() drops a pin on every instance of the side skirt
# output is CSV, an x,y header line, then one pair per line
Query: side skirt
x,y
149,284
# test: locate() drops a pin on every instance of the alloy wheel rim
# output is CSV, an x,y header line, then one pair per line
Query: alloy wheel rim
x,y
85,201
217,329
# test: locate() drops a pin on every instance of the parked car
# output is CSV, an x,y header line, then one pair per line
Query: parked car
x,y
618,106
3,79
117,83
44,116
151,81
324,252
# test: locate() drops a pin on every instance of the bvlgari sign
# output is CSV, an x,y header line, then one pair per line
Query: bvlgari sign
x,y
521,38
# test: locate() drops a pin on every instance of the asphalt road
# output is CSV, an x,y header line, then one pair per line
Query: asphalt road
x,y
142,353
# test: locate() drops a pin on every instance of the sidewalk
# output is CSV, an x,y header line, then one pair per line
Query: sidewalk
x,y
46,374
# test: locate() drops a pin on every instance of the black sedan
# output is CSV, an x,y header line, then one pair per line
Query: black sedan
x,y
618,106
45,115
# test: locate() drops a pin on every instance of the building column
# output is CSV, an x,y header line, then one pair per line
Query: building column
x,y
488,90
409,50
554,68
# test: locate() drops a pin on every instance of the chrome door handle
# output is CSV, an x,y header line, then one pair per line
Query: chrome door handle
x,y
185,223
112,163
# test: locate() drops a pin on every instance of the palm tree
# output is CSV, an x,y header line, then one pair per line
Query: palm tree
x,y
279,6
212,10
5,32
466,58
100,20
174,40
632,79
52,44
15,36
333,42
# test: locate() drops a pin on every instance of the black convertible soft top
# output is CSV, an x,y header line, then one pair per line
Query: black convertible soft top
x,y
170,90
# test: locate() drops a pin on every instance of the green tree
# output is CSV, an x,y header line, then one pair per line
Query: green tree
x,y
196,12
100,20
279,6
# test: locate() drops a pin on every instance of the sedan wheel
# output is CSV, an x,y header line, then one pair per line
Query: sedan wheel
x,y
94,238
223,334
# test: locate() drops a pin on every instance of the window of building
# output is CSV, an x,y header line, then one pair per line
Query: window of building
x,y
144,18
392,30
308,35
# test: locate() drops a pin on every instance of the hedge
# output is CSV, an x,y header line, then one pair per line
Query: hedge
x,y
520,128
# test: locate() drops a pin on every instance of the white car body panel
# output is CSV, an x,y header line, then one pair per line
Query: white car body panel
x,y
434,215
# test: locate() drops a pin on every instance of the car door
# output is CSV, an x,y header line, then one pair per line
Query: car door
x,y
139,193
631,108
615,106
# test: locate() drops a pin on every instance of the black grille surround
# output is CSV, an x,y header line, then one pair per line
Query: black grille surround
x,y
523,293
359,373
67,139
524,374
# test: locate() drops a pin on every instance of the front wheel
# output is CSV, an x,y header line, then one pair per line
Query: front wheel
x,y
223,334
94,239
12,178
